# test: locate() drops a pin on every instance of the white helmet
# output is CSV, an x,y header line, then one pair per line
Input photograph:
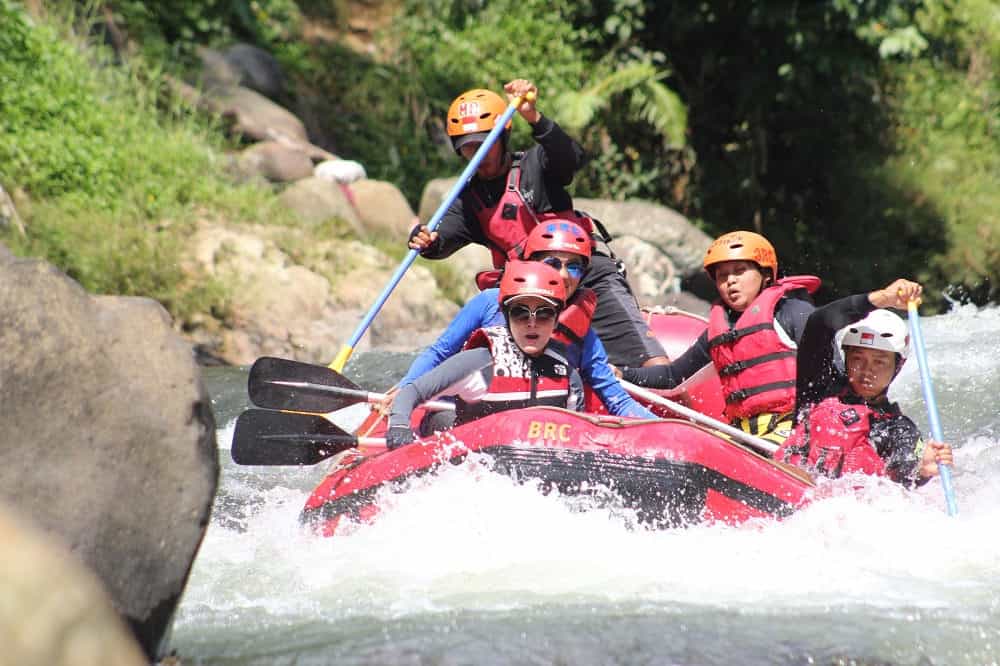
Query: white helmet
x,y
881,329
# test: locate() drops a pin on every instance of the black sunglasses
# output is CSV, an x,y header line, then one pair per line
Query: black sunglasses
x,y
543,313
575,267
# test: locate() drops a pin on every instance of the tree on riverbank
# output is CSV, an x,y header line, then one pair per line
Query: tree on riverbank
x,y
861,136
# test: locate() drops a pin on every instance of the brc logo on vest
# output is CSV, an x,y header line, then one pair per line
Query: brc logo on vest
x,y
548,430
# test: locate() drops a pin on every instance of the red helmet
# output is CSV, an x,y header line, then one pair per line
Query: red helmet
x,y
531,278
558,236
472,115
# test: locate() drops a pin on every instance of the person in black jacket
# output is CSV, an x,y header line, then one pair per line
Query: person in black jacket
x,y
512,192
844,420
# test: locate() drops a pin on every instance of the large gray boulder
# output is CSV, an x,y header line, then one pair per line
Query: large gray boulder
x,y
434,193
383,209
274,161
307,306
257,69
314,201
254,116
663,228
108,439
55,612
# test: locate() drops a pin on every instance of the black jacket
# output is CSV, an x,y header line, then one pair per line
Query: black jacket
x,y
547,169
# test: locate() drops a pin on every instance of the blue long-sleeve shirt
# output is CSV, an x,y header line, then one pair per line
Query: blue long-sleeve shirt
x,y
589,356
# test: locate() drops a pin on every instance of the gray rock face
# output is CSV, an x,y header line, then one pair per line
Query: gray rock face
x,y
275,162
382,208
216,71
254,116
55,612
108,440
257,69
307,310
434,193
315,200
667,230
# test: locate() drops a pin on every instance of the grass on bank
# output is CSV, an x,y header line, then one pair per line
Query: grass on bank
x,y
110,179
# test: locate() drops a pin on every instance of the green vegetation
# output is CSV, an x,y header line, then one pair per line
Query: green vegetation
x,y
114,181
947,134
860,135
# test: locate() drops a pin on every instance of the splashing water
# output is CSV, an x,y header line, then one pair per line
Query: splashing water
x,y
467,567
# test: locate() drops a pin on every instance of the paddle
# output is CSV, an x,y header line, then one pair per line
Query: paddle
x,y
345,352
932,410
753,442
278,383
265,437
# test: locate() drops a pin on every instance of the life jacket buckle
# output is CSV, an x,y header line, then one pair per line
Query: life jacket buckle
x,y
737,396
732,369
727,337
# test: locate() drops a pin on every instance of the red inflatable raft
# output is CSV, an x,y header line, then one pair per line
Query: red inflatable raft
x,y
671,472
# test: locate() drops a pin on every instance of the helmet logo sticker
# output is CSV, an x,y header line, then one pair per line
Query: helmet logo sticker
x,y
868,339
469,112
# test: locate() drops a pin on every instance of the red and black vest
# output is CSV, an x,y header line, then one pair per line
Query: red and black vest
x,y
575,318
507,224
517,380
755,365
833,440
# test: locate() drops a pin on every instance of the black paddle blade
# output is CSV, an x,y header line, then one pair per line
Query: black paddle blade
x,y
279,383
265,437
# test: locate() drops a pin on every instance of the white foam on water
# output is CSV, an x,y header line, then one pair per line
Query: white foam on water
x,y
466,538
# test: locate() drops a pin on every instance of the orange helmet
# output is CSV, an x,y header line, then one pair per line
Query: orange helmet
x,y
555,235
472,115
531,278
742,246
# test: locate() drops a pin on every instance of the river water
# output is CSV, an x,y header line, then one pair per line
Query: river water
x,y
466,567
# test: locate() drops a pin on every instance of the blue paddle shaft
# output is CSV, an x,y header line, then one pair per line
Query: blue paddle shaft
x,y
932,409
411,256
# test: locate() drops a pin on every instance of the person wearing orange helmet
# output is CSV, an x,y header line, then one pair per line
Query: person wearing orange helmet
x,y
513,192
508,366
751,338
564,246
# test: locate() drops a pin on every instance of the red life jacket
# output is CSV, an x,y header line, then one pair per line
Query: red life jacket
x,y
506,225
832,439
756,367
518,380
574,320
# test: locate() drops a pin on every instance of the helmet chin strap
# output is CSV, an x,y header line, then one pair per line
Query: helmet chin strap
x,y
899,366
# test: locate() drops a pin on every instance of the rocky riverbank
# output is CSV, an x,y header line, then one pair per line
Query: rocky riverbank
x,y
298,291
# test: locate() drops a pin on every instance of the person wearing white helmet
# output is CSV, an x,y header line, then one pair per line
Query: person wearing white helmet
x,y
844,420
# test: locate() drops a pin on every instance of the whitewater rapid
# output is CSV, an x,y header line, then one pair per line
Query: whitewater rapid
x,y
466,566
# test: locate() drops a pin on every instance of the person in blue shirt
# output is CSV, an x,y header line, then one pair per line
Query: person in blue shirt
x,y
566,247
